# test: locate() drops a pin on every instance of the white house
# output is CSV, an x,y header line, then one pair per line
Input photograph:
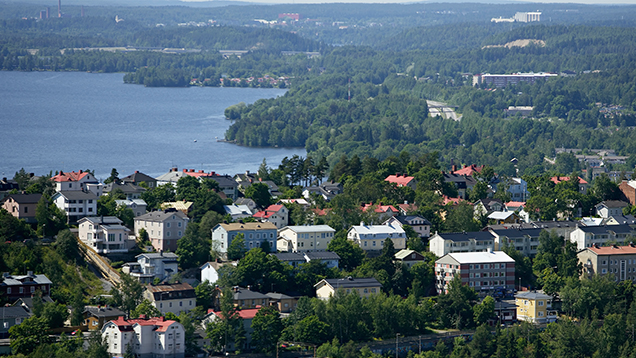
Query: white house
x,y
72,181
171,297
419,223
371,237
149,266
587,236
476,241
154,337
164,228
76,204
305,238
254,234
518,189
105,234
138,206
608,208
275,214
210,271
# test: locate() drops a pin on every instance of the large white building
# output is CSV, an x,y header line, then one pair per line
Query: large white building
x,y
483,271
371,237
475,241
164,228
105,234
254,234
588,236
147,338
305,238
76,204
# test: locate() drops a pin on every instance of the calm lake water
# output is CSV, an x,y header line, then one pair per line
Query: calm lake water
x,y
73,120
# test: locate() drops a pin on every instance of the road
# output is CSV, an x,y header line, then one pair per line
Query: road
x,y
442,109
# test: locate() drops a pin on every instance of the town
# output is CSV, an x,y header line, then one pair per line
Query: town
x,y
248,263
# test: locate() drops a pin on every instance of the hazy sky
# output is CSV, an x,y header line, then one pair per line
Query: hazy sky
x,y
598,2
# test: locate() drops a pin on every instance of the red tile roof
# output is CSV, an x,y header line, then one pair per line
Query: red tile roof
x,y
557,180
267,213
160,322
400,180
244,314
469,170
321,212
516,204
198,174
454,201
380,208
72,176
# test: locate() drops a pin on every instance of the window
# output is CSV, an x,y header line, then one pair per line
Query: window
x,y
26,209
540,314
167,224
179,225
32,289
21,289
540,303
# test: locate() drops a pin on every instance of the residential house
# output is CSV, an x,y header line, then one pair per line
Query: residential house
x,y
468,170
505,313
27,302
518,190
237,212
475,241
582,183
210,271
13,287
137,178
77,181
608,208
628,191
22,206
292,258
105,234
151,266
7,186
364,287
371,237
171,177
535,307
620,220
402,180
462,183
227,185
520,208
489,271
171,297
586,236
504,217
181,205
246,298
301,201
251,204
614,260
408,257
76,204
164,228
254,234
305,238
145,337
331,259
282,302
138,206
276,214
524,240
9,317
130,190
419,224
487,206
407,209
561,228
384,212
327,190
246,315
95,317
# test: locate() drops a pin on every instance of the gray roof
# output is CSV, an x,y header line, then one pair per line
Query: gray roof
x,y
241,293
348,282
101,220
157,255
76,195
289,256
613,204
14,312
520,232
138,177
223,180
322,255
405,219
533,295
554,224
278,296
16,280
159,216
466,236
24,198
104,311
597,230
125,187
28,301
624,219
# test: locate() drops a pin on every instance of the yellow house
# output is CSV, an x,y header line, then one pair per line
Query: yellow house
x,y
535,307
363,286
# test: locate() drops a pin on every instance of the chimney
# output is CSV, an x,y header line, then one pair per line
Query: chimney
x,y
201,171
185,170
136,171
191,170
453,168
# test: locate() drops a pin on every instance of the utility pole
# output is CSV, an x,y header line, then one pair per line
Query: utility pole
x,y
397,335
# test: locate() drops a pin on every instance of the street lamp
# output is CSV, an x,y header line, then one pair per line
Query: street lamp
x,y
420,345
397,335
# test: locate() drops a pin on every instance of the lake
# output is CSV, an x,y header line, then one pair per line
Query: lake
x,y
73,120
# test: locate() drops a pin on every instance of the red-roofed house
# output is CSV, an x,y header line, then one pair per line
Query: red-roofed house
x,y
582,183
618,261
407,209
402,180
65,181
247,315
275,214
154,337
384,211
469,170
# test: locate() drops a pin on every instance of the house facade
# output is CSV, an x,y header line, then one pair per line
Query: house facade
x,y
617,261
535,307
254,234
14,287
171,297
524,240
608,208
9,317
364,287
151,266
588,236
76,204
78,181
105,234
138,206
147,338
305,238
164,228
408,257
371,237
138,178
483,271
275,214
22,206
132,191
419,224
95,317
475,241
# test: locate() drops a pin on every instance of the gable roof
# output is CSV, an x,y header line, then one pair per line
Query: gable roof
x,y
501,215
289,256
557,180
255,226
234,209
469,170
267,213
612,204
138,177
349,282
404,253
127,187
75,195
376,229
159,216
24,198
14,312
249,313
400,180
103,311
380,208
98,220
467,236
309,228
72,176
321,255
597,230
533,295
